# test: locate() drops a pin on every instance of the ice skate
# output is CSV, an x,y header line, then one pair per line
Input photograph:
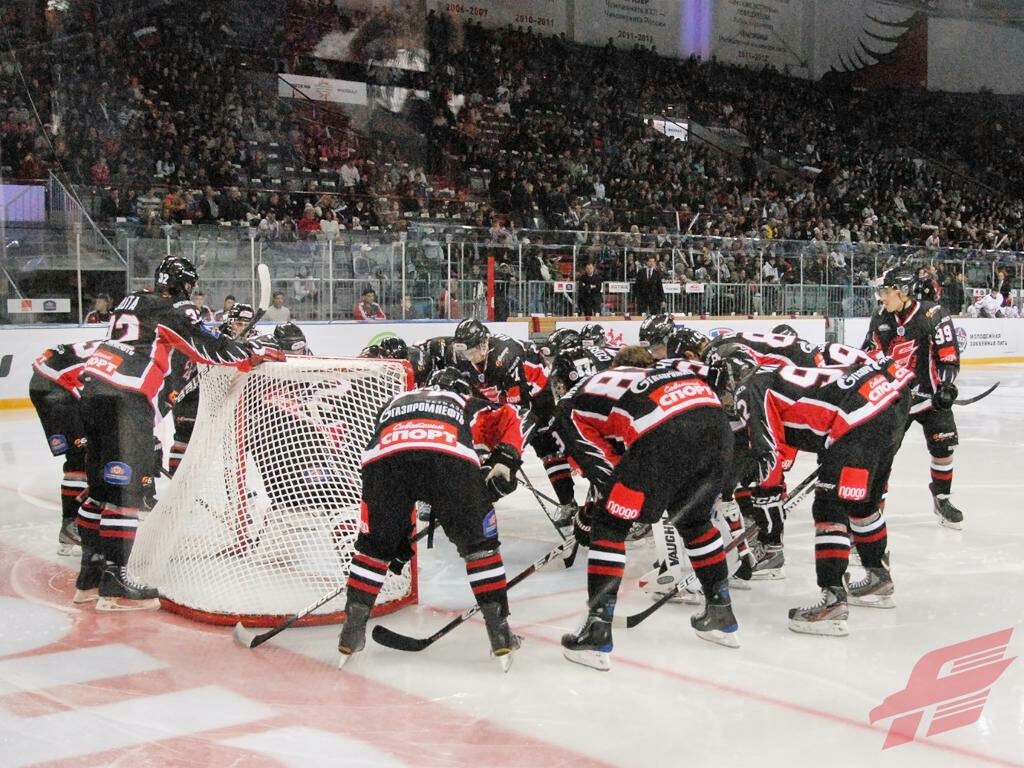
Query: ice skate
x,y
659,581
875,590
503,641
353,632
826,617
744,572
87,585
949,516
68,538
118,592
769,565
590,645
716,623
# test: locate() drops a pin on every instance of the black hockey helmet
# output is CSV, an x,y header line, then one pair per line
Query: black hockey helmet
x,y
290,339
451,379
731,364
559,339
592,335
784,329
471,333
656,329
176,275
569,366
393,348
902,278
239,313
685,340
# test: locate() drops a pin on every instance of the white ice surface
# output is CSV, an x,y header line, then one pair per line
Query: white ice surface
x,y
670,698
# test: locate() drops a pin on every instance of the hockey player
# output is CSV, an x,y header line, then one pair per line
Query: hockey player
x,y
493,363
920,335
183,397
593,335
854,421
122,384
559,339
395,348
55,393
649,439
422,449
288,338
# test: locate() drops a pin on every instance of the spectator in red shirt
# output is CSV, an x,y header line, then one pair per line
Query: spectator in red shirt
x,y
367,307
309,224
99,172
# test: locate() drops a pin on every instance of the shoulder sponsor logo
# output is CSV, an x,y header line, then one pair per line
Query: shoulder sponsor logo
x,y
885,327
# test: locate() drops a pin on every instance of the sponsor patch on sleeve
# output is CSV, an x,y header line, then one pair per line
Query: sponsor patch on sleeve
x,y
947,354
58,444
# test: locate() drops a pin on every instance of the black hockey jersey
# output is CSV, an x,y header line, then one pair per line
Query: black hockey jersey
x,y
921,338
770,348
144,331
501,378
811,408
607,412
429,419
63,364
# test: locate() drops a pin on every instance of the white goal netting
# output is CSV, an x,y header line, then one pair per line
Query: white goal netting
x,y
261,516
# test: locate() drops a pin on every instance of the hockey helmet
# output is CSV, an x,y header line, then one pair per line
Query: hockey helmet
x,y
568,368
238,314
371,351
731,365
685,340
176,275
558,340
901,278
290,339
451,379
784,329
393,348
656,329
592,335
471,332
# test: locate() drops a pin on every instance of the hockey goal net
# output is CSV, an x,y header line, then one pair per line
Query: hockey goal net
x,y
262,515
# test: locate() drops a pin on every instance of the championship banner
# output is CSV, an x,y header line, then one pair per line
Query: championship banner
x,y
547,17
632,22
759,33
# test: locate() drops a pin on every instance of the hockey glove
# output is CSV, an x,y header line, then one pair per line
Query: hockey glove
x,y
581,525
769,507
946,395
501,479
259,353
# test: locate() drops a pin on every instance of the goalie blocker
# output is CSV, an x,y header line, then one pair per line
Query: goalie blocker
x,y
423,449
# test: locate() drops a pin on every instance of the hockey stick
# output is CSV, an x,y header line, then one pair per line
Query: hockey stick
x,y
797,494
631,621
571,557
976,398
246,637
391,639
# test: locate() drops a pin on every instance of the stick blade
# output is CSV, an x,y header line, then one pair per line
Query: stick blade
x,y
389,639
244,636
263,273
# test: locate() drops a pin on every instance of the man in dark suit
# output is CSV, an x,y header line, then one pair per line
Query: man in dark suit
x,y
588,292
647,289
